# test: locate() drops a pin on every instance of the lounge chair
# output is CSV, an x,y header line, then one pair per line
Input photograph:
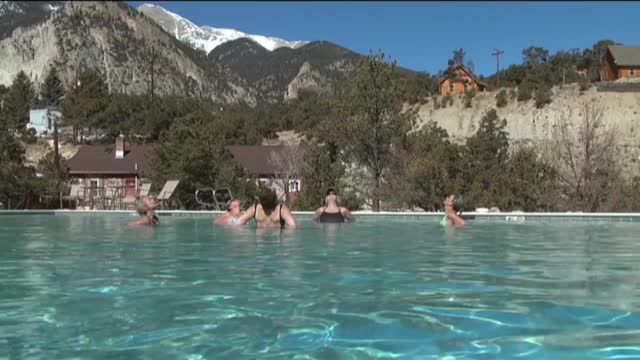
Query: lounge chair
x,y
75,193
144,189
166,192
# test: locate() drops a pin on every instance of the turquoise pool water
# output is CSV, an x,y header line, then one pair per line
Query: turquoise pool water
x,y
88,287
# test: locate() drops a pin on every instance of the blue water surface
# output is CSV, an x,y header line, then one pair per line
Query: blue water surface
x,y
89,287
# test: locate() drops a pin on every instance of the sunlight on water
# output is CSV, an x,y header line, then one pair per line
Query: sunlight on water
x,y
74,286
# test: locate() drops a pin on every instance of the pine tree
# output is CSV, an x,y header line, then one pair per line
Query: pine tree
x,y
84,105
17,103
320,173
487,152
52,90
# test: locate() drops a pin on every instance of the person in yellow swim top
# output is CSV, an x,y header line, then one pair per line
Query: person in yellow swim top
x,y
452,210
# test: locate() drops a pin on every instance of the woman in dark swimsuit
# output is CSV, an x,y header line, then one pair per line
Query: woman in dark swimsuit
x,y
268,213
332,213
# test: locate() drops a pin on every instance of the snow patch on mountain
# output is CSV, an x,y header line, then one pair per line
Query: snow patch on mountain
x,y
207,38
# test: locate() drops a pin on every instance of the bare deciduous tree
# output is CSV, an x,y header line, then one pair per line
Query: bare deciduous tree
x,y
583,152
288,164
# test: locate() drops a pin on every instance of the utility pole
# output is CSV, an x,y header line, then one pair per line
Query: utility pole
x,y
497,53
152,88
56,151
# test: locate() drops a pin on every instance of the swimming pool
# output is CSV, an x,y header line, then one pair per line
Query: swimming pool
x,y
85,286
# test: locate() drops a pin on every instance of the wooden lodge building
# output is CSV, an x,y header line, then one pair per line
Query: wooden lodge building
x,y
620,62
460,79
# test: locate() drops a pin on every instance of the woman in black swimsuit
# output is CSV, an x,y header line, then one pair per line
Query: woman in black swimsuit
x,y
267,213
332,213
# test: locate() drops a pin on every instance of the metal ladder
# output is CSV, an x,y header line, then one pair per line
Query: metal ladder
x,y
221,198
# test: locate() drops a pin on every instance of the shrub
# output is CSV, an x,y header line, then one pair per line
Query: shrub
x,y
543,96
448,99
525,91
468,97
501,98
584,84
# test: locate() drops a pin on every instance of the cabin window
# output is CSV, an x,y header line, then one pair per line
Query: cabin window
x,y
632,72
451,87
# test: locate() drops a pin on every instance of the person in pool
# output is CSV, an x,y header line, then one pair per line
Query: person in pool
x,y
268,213
232,215
452,209
146,207
331,212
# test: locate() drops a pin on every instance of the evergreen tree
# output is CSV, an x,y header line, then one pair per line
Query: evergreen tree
x,y
194,151
501,98
17,103
84,106
458,57
527,183
319,174
52,90
15,177
55,175
425,169
487,152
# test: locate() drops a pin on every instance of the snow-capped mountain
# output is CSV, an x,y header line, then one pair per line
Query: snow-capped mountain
x,y
207,38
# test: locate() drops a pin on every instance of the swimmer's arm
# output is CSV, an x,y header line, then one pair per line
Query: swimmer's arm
x,y
347,214
222,219
288,218
317,214
141,222
456,220
244,218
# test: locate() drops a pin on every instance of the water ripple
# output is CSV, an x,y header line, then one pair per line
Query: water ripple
x,y
89,287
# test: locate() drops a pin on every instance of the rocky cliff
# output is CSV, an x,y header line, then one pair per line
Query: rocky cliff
x,y
122,44
527,124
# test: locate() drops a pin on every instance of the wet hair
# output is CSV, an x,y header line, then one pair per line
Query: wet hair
x,y
458,202
141,207
268,199
331,190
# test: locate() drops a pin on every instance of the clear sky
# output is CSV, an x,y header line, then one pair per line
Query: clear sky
x,y
422,35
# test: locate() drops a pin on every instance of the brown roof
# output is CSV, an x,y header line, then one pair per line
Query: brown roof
x,y
256,158
469,72
625,55
101,159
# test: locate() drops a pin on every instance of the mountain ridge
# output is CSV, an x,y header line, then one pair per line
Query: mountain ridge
x,y
207,37
127,46
119,42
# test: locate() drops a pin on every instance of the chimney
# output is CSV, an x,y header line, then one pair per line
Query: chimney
x,y
120,147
